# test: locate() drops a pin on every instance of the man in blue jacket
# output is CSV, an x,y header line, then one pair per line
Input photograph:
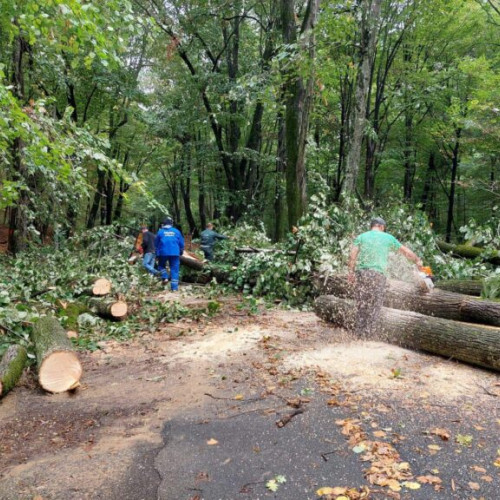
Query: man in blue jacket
x,y
169,245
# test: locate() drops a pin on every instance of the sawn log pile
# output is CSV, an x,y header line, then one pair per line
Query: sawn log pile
x,y
438,321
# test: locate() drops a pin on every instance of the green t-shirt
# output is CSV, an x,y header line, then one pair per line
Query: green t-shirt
x,y
374,247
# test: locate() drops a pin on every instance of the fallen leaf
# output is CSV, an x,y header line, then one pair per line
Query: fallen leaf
x,y
434,447
478,469
496,463
394,485
359,449
488,479
212,441
442,433
238,397
429,479
272,485
327,490
464,440
411,485
474,486
379,434
478,428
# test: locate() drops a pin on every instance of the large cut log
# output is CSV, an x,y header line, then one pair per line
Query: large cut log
x,y
206,271
440,303
192,261
467,287
470,252
11,367
109,308
59,368
478,345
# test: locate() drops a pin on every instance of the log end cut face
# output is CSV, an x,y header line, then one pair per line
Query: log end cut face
x,y
119,310
101,287
60,371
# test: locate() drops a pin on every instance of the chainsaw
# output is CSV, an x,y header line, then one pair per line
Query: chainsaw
x,y
426,278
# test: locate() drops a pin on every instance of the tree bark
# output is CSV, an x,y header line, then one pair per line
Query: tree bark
x,y
11,367
298,102
454,172
477,345
59,369
370,15
467,287
18,222
470,252
109,308
439,303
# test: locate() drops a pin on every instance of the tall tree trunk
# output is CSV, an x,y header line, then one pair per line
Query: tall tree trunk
x,y
94,209
370,15
185,185
454,171
18,222
408,152
428,185
110,191
202,209
279,197
298,102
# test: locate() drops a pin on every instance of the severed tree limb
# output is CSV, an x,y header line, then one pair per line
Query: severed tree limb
x,y
11,367
283,421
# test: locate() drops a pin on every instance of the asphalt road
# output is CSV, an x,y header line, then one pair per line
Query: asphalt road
x,y
233,450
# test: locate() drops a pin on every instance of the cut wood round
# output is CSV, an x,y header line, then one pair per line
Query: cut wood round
x,y
100,287
440,303
11,367
59,368
467,287
109,308
475,344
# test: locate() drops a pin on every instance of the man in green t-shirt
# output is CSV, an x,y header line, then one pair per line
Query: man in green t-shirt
x,y
367,270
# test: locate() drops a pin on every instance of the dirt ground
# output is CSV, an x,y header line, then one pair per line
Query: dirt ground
x,y
82,445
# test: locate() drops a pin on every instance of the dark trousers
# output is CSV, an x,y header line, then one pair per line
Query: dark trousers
x,y
174,263
369,294
208,252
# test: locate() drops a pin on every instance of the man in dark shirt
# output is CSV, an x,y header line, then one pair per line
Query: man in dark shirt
x,y
148,250
208,237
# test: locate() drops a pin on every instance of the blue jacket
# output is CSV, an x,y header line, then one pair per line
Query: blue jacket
x,y
169,242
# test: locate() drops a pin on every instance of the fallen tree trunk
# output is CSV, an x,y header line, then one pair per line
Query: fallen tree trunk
x,y
478,345
469,252
59,368
11,367
109,308
191,261
440,303
467,287
207,272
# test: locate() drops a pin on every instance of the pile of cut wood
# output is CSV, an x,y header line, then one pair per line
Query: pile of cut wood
x,y
58,366
450,324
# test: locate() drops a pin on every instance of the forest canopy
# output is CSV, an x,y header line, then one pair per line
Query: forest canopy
x,y
241,112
